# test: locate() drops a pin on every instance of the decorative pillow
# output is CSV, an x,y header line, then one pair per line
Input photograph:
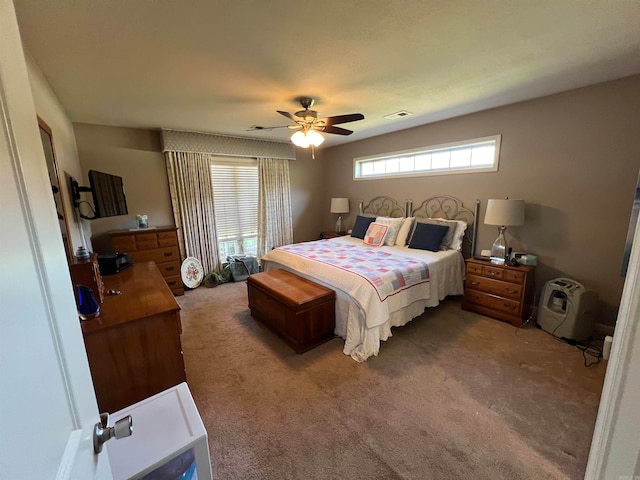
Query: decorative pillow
x,y
360,226
394,228
376,234
449,235
428,236
405,230
456,244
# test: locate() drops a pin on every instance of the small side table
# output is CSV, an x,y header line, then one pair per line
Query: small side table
x,y
331,234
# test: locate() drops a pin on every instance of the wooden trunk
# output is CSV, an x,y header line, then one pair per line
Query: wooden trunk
x,y
298,310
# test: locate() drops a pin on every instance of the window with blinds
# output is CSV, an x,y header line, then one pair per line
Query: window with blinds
x,y
235,194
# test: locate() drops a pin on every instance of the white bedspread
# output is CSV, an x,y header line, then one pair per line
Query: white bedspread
x,y
361,318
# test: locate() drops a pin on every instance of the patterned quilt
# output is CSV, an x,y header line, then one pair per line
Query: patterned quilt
x,y
387,273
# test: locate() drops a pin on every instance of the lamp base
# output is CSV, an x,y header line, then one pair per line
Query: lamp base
x,y
339,224
499,248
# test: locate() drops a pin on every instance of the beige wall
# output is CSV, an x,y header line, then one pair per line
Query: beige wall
x,y
573,157
133,154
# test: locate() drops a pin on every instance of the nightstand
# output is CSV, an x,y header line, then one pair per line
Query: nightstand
x,y
503,292
325,235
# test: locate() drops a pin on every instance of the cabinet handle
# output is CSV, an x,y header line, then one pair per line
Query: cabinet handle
x,y
168,254
475,283
168,269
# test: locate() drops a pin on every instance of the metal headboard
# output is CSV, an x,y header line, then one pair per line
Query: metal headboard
x,y
384,206
444,206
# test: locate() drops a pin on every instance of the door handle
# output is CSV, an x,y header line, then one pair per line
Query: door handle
x,y
102,433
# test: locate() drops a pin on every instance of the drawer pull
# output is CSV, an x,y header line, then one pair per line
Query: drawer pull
x,y
168,254
512,307
493,274
168,269
510,290
474,297
171,283
475,283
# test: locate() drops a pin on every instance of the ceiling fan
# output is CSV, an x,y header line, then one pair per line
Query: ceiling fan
x,y
308,125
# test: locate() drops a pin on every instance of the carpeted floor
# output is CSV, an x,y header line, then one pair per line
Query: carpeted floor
x,y
452,395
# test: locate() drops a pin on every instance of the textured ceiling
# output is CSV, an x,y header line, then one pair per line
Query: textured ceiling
x,y
222,66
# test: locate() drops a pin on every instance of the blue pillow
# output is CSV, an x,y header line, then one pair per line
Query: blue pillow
x,y
360,227
428,236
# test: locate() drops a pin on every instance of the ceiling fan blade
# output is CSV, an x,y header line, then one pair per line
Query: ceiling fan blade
x,y
289,115
353,117
260,127
336,130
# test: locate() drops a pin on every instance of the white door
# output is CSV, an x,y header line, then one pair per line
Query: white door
x,y
47,402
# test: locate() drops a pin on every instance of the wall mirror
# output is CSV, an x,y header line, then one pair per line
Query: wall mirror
x,y
52,167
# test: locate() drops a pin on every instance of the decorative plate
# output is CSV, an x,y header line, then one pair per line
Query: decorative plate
x,y
191,271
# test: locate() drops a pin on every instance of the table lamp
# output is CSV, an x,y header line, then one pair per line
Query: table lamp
x,y
504,213
339,206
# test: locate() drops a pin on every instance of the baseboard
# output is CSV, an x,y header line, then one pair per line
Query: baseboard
x,y
604,329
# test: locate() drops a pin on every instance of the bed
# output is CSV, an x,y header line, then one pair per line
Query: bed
x,y
368,302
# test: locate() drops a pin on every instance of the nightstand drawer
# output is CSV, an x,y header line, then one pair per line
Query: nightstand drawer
x,y
497,303
494,287
492,272
473,268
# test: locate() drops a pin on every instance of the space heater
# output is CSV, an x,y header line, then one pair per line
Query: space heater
x,y
567,310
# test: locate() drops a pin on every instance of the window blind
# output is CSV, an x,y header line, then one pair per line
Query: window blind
x,y
235,192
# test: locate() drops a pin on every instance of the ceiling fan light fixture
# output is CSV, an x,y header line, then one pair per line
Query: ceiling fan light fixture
x,y
299,139
314,138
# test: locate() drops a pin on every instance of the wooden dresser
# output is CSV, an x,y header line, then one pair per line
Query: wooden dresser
x,y
159,245
133,346
87,273
499,291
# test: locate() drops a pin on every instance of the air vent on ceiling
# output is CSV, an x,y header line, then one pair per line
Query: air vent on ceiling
x,y
400,114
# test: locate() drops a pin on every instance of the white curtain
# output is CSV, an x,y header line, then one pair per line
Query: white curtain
x,y
275,226
192,200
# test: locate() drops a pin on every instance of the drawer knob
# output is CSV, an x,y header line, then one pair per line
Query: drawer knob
x,y
475,283
509,306
168,254
168,269
511,290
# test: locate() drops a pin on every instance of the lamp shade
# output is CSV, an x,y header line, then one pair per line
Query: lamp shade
x,y
339,205
504,212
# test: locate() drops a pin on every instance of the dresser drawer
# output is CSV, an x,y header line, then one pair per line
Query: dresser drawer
x,y
169,269
124,243
174,282
145,241
494,287
158,255
497,303
167,242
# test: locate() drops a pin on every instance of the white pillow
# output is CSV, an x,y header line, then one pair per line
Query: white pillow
x,y
394,228
456,244
376,234
403,233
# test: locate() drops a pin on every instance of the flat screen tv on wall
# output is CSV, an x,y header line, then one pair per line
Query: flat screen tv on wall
x,y
109,199
108,195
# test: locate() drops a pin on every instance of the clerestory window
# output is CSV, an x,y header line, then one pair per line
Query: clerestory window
x,y
477,155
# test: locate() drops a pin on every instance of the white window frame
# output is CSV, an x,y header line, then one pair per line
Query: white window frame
x,y
445,147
